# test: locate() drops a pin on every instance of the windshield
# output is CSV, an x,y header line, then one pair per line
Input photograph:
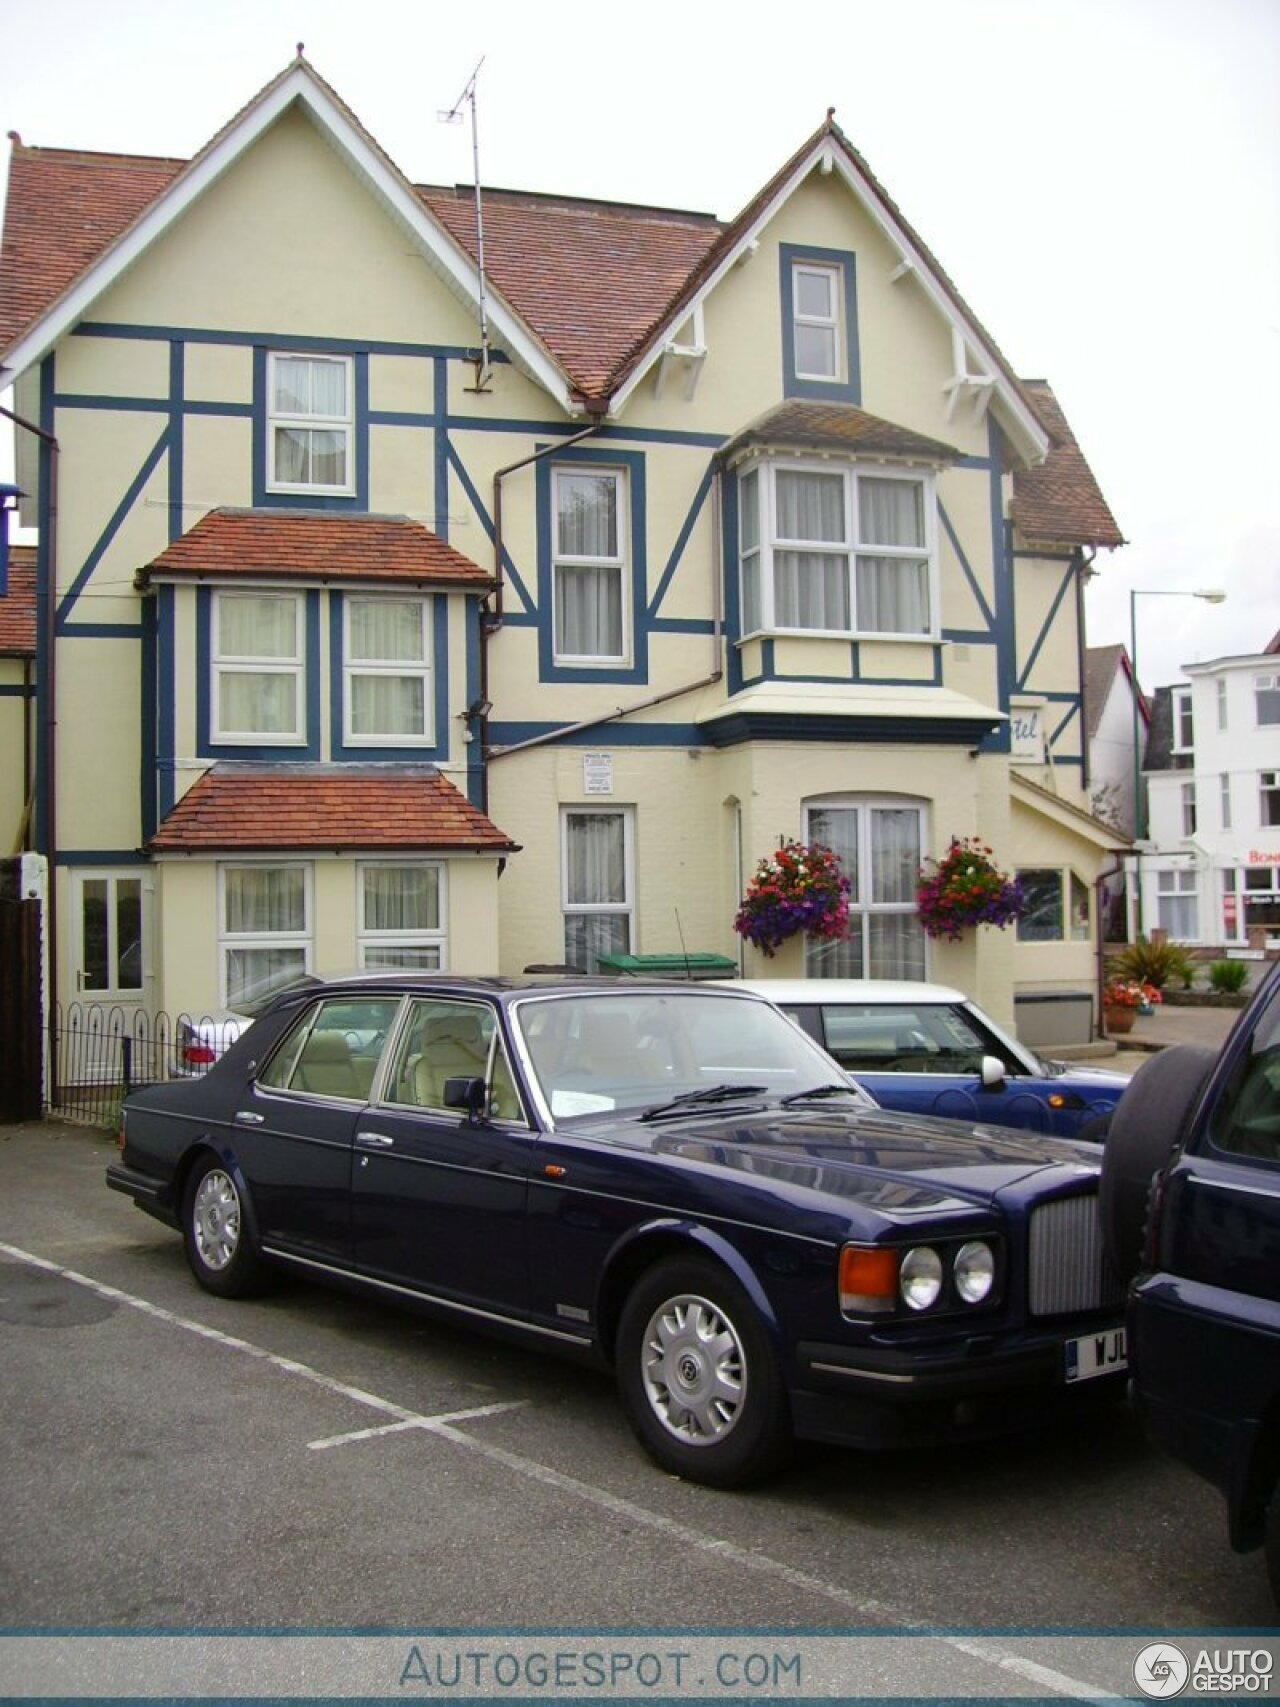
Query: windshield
x,y
596,1053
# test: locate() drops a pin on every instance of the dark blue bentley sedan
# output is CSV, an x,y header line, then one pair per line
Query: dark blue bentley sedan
x,y
669,1179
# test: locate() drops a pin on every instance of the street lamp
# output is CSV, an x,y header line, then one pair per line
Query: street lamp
x,y
1211,596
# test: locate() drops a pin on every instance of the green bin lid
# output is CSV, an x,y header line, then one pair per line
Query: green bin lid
x,y
671,965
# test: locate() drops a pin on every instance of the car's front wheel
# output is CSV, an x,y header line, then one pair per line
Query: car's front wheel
x,y
698,1375
217,1233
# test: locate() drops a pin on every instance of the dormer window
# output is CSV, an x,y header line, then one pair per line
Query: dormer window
x,y
310,424
815,297
836,551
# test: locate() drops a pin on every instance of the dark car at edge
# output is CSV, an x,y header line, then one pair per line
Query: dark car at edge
x,y
1191,1212
669,1180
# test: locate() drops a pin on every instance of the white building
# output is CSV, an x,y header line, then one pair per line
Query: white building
x,y
1209,869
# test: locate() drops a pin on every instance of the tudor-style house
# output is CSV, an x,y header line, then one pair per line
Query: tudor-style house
x,y
384,632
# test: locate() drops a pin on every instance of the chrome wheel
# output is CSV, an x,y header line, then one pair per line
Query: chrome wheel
x,y
694,1370
215,1220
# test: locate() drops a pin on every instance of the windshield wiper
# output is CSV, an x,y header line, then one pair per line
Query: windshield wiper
x,y
712,1093
820,1091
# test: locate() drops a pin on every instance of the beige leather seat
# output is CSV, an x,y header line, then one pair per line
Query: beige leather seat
x,y
453,1047
326,1066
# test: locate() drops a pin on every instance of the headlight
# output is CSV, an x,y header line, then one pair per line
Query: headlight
x,y
975,1271
920,1278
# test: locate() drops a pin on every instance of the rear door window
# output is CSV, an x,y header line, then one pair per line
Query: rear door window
x,y
1246,1120
334,1049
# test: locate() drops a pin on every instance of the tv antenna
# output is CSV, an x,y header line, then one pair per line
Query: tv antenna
x,y
454,116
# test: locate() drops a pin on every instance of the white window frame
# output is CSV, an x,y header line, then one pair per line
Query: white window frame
x,y
768,542
1268,791
862,906
1268,685
1180,887
248,941
227,664
388,668
434,938
113,989
1187,807
618,562
307,420
1184,738
832,322
626,908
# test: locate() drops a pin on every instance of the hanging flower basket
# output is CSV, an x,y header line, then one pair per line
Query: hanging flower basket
x,y
798,889
966,888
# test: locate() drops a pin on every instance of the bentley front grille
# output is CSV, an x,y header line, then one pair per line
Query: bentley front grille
x,y
1068,1269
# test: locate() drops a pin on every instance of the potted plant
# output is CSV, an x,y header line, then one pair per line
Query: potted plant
x,y
800,888
966,888
1121,1000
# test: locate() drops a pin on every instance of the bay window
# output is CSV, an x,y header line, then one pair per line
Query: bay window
x,y
598,885
836,551
879,843
258,667
402,913
387,647
310,424
589,525
264,934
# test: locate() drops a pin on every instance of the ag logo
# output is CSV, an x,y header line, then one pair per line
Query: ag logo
x,y
1161,1670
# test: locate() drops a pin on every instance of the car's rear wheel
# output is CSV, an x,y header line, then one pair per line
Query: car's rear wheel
x,y
698,1376
1147,1125
217,1232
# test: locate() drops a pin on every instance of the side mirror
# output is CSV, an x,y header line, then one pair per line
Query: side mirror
x,y
465,1093
993,1073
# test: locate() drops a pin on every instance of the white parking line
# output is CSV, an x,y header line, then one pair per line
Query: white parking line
x,y
864,1610
414,1422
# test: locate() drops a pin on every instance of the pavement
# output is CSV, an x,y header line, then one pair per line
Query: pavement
x,y
1164,1028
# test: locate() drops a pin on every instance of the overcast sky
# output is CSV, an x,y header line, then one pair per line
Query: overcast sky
x,y
1100,178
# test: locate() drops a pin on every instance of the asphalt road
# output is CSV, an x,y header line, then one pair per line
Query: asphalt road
x,y
307,1460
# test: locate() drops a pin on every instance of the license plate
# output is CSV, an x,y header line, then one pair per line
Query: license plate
x,y
1096,1354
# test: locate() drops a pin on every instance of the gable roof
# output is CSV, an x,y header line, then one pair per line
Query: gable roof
x,y
343,808
18,606
1060,502
584,295
1101,666
316,545
124,225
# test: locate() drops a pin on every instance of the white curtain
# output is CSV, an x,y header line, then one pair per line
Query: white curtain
x,y
890,512
810,588
310,456
895,855
385,631
893,595
586,514
401,898
596,859
254,625
264,900
251,703
589,612
305,386
388,705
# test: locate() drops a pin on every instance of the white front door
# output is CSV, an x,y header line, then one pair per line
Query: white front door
x,y
107,998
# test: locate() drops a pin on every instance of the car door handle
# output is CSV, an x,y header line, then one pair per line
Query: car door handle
x,y
246,1118
375,1141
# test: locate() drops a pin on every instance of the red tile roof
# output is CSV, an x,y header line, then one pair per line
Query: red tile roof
x,y
350,808
18,606
317,545
1060,502
590,278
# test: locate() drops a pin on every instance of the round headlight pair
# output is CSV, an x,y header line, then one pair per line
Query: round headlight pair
x,y
921,1275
